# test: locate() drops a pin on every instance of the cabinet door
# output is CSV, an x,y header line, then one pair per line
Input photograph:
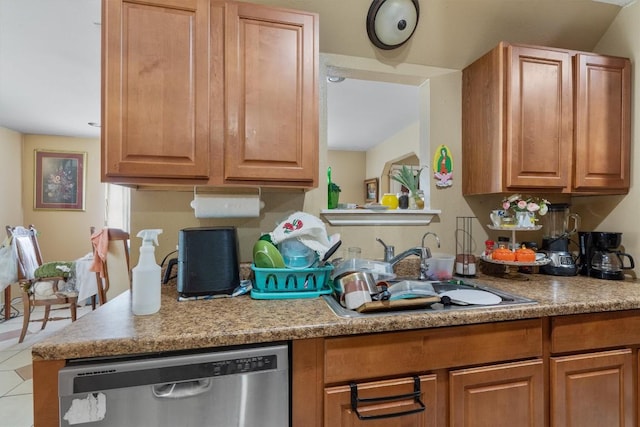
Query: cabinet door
x,y
593,390
338,410
155,89
603,127
271,97
538,126
504,395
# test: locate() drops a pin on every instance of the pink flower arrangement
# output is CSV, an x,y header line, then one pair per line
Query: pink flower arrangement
x,y
517,203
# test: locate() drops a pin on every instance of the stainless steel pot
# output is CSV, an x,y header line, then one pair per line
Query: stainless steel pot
x,y
356,279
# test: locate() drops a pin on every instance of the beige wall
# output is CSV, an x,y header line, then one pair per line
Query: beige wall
x,y
63,235
11,177
348,170
10,191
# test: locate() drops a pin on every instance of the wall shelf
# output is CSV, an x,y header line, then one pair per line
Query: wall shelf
x,y
378,217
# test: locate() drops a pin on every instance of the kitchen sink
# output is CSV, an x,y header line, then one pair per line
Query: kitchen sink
x,y
445,304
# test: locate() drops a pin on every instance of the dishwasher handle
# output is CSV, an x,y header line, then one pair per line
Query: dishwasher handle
x,y
180,390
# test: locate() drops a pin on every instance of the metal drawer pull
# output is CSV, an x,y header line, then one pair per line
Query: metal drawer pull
x,y
415,395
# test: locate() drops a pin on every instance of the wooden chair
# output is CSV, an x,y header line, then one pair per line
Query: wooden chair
x,y
116,272
29,259
7,303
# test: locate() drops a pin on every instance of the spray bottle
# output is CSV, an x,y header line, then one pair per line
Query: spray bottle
x,y
146,276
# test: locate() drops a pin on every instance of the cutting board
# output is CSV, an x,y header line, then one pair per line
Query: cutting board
x,y
399,304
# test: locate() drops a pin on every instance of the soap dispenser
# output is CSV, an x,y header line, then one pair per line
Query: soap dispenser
x,y
146,276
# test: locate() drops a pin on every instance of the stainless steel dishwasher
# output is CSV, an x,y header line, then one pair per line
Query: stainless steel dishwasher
x,y
237,387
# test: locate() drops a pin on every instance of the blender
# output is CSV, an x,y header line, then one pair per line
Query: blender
x,y
556,238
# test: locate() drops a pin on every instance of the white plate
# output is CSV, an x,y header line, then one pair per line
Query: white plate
x,y
376,207
472,296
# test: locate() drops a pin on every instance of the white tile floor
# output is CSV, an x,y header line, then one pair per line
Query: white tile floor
x,y
16,385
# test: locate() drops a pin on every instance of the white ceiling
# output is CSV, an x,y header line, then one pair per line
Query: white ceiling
x,y
362,113
50,66
50,54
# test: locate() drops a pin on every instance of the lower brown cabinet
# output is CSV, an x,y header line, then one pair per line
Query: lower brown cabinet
x,y
505,395
594,389
401,402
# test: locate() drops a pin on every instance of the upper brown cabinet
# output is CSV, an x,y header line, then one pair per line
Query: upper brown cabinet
x,y
210,93
546,120
271,82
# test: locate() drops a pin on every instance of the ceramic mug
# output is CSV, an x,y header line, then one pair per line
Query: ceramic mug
x,y
496,217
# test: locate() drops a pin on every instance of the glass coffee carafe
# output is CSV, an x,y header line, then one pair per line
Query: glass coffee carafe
x,y
608,262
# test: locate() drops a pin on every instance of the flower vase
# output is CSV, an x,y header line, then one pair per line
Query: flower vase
x,y
525,219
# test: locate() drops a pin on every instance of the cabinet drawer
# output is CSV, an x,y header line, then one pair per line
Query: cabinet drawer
x,y
595,331
400,353
391,412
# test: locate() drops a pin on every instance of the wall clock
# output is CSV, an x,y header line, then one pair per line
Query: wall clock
x,y
390,23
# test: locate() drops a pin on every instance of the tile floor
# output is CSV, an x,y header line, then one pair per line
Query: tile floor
x,y
16,387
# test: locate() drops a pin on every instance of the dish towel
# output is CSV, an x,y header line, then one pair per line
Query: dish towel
x,y
308,229
100,242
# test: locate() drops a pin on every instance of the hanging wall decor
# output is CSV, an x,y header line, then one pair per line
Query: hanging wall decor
x,y
59,180
443,167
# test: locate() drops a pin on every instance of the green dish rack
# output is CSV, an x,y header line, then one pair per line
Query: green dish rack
x,y
287,283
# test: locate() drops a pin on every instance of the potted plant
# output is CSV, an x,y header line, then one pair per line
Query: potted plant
x,y
411,181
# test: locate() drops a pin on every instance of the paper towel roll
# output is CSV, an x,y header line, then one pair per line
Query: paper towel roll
x,y
226,205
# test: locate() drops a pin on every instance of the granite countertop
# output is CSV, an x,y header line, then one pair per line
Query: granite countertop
x,y
113,330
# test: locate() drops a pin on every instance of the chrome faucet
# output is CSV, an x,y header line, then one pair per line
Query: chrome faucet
x,y
389,251
427,250
425,253
417,251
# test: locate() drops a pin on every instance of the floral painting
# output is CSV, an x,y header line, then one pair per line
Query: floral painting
x,y
59,180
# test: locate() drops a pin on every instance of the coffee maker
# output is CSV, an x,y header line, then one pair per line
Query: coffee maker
x,y
600,256
555,240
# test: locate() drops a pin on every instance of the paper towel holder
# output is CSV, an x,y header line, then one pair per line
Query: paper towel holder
x,y
227,202
235,191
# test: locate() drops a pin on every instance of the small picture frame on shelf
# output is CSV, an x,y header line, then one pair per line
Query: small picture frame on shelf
x,y
371,190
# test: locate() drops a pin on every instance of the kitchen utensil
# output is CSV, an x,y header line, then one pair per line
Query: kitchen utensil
x,y
496,217
356,293
465,264
472,297
332,250
555,240
296,254
345,282
265,255
440,266
380,270
465,261
411,289
354,252
400,304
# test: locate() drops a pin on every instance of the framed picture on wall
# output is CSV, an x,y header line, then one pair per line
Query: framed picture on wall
x,y
371,190
59,180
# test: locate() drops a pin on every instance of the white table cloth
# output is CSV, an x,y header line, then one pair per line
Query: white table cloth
x,y
86,281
